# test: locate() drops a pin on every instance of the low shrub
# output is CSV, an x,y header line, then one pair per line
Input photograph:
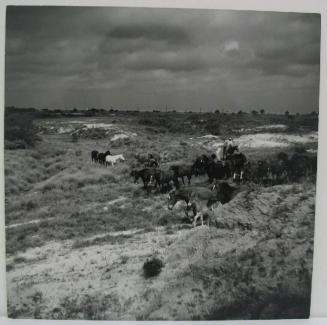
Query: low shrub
x,y
20,131
19,259
152,267
87,307
30,205
17,144
213,127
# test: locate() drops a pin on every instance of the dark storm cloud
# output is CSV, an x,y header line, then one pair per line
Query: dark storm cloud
x,y
298,48
154,57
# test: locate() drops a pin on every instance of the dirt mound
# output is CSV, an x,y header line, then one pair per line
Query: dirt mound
x,y
229,272
123,138
91,133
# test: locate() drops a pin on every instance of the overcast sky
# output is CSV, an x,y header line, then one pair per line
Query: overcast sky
x,y
129,58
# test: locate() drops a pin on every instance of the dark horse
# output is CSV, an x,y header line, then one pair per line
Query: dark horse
x,y
152,163
199,166
224,192
218,170
221,192
181,171
238,161
164,178
188,194
102,157
148,175
229,151
94,156
182,194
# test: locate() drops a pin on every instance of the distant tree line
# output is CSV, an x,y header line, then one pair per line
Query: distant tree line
x,y
94,111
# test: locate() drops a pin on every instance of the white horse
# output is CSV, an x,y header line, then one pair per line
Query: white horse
x,y
112,160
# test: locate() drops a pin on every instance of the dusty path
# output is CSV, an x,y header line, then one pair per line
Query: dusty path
x,y
20,224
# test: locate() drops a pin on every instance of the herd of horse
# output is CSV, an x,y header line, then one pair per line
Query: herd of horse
x,y
280,170
235,167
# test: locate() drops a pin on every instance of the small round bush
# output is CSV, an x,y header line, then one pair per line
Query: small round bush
x,y
152,267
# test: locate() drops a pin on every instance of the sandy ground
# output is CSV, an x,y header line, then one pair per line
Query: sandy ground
x,y
57,270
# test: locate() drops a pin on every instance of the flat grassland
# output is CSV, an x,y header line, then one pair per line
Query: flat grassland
x,y
78,233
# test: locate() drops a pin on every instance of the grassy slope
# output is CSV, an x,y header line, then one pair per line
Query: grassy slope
x,y
56,185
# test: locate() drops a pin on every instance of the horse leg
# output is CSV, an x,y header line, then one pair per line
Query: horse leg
x,y
196,219
189,179
183,180
156,184
145,184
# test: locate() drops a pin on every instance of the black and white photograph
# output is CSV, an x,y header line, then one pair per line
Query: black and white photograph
x,y
160,163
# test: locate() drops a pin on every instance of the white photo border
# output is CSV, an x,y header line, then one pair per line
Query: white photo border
x,y
319,279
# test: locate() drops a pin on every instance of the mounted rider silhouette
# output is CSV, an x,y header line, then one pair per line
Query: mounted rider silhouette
x,y
228,147
152,162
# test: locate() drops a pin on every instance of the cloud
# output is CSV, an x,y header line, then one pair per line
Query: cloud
x,y
231,47
183,56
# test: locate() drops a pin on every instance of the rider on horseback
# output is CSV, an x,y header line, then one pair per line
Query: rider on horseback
x,y
152,162
228,146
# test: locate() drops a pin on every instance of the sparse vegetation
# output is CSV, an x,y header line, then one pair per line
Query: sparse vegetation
x,y
87,307
20,130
